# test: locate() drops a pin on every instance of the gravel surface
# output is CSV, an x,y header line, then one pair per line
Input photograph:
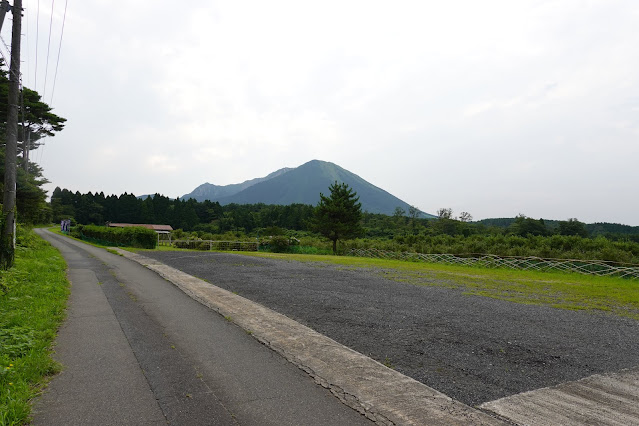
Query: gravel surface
x,y
472,348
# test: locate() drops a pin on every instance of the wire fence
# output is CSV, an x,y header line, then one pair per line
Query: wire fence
x,y
213,245
587,267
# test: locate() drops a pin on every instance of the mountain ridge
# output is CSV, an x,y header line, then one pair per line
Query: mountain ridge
x,y
209,191
301,185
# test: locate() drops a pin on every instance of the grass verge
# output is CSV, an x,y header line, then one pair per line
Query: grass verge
x,y
560,290
33,298
56,230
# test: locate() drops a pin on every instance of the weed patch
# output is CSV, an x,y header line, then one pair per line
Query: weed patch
x,y
33,300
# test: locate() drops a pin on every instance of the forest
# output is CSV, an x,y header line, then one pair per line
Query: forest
x,y
403,231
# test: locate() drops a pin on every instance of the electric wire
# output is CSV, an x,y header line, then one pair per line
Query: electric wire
x,y
6,54
46,67
26,37
25,143
39,152
57,62
35,81
6,63
6,45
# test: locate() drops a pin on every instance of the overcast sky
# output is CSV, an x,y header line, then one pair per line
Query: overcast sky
x,y
493,107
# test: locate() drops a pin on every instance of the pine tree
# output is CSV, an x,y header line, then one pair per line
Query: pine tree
x,y
338,217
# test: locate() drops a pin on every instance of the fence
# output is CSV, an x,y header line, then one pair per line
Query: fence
x,y
588,267
215,245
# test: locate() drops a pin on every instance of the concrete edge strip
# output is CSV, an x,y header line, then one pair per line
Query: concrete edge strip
x,y
376,391
611,398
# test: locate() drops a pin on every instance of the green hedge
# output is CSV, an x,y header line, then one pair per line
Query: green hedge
x,y
135,236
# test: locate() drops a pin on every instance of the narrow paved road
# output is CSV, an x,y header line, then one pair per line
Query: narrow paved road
x,y
137,350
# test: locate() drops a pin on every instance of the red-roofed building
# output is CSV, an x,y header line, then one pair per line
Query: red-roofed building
x,y
160,229
163,231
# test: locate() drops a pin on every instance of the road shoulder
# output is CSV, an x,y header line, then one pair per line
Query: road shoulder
x,y
380,393
101,373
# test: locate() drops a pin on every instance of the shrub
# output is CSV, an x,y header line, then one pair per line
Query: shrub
x,y
279,244
135,236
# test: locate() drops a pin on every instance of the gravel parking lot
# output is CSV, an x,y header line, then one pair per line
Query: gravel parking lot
x,y
474,349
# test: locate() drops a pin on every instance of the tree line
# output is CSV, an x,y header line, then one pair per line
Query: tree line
x,y
187,215
214,218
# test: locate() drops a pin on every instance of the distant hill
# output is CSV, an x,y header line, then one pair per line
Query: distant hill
x,y
145,196
208,191
302,185
594,229
501,222
605,228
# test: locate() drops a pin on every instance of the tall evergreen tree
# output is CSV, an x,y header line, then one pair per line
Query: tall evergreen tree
x,y
39,122
338,216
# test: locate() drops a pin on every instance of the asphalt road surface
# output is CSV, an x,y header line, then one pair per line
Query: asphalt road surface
x,y
137,350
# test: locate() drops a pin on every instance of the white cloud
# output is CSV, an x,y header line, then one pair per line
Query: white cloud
x,y
158,164
495,108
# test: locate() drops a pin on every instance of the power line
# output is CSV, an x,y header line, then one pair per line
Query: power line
x,y
41,151
26,36
5,44
25,139
57,62
35,82
6,62
2,52
46,68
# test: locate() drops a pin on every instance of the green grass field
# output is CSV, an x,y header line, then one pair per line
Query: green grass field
x,y
32,300
561,290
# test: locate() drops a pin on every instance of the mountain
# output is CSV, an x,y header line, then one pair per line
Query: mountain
x,y
208,191
304,184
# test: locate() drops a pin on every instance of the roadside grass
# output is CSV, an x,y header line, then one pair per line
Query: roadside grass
x,y
32,300
560,290
56,230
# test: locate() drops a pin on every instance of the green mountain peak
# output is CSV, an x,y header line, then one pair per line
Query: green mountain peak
x,y
301,185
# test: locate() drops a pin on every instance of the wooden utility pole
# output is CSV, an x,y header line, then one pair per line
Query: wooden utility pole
x,y
7,248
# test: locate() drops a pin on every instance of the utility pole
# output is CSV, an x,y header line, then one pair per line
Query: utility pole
x,y
8,243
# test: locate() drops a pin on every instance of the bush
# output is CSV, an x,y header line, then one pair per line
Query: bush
x,y
135,236
279,244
